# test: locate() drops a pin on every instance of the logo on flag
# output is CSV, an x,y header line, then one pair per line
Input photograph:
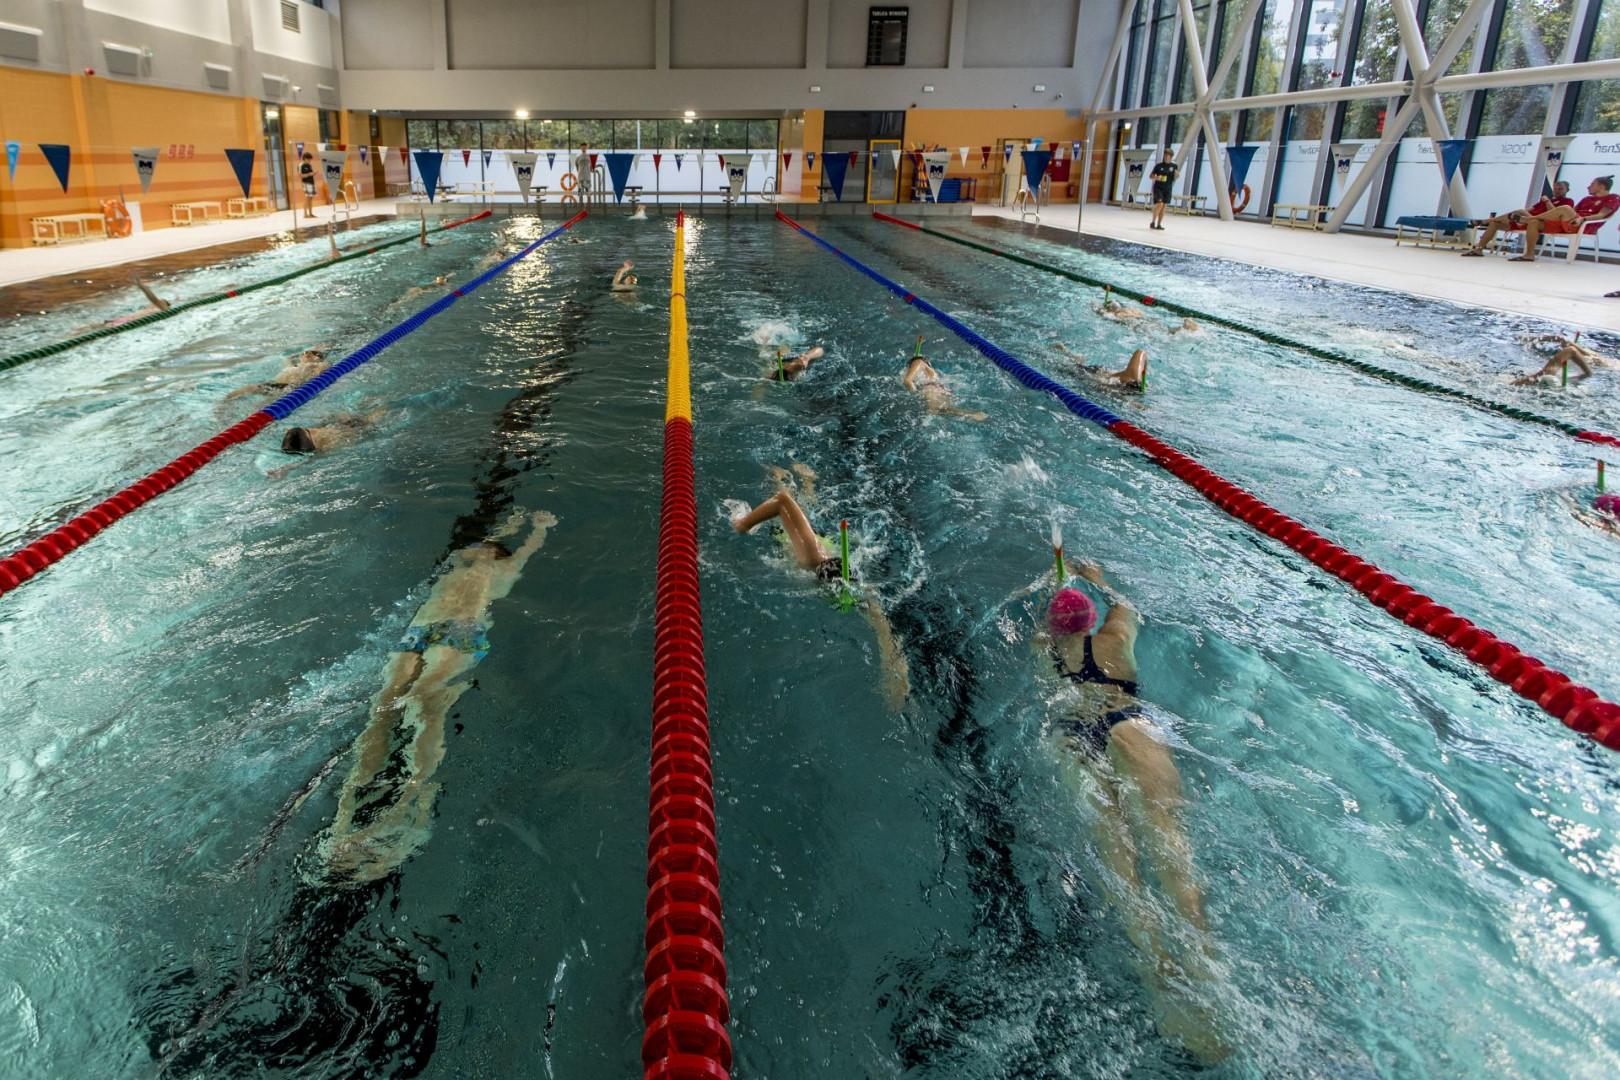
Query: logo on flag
x,y
678,159
145,164
332,162
810,160
1344,156
362,155
1136,167
1552,155
935,163
551,159
737,175
523,169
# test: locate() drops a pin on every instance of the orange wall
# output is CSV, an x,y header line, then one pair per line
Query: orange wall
x,y
952,129
101,120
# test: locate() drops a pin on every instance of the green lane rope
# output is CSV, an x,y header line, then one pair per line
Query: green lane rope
x,y
1264,335
9,362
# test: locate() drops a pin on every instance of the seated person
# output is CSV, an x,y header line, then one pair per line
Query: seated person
x,y
1599,205
624,280
1515,221
923,380
1569,352
296,372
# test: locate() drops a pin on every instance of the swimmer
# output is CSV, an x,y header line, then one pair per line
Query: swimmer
x,y
640,214
1605,513
331,238
294,373
1114,309
812,554
337,431
785,370
1111,754
1130,376
385,808
922,379
1188,326
438,283
624,280
575,240
155,304
1569,352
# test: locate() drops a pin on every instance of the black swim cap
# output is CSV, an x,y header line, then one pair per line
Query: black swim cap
x,y
297,441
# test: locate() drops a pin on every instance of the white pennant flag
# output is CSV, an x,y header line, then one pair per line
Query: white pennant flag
x,y
964,151
1344,156
332,162
895,155
935,162
737,173
523,169
145,164
1552,155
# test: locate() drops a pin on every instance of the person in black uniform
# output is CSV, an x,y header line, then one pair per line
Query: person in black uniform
x,y
1164,178
306,176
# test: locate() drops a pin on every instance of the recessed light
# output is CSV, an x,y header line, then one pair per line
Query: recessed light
x,y
689,114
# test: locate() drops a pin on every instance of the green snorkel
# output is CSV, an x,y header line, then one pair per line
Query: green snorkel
x,y
846,598
917,355
1057,552
781,372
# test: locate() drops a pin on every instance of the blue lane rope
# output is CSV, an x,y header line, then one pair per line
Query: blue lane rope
x,y
283,406
1003,359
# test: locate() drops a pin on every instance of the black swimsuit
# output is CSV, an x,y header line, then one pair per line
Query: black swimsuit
x,y
1093,730
831,569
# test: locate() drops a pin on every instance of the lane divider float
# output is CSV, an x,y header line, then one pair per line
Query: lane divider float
x,y
1410,381
685,1008
1578,707
28,561
175,309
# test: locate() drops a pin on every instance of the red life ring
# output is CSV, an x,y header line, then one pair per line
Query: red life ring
x,y
1239,204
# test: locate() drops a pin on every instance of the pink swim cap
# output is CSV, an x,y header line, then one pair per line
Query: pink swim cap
x,y
1609,504
1072,612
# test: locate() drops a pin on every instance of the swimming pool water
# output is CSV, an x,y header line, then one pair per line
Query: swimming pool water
x,y
1409,872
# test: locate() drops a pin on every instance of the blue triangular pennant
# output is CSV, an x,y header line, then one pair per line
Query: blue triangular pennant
x,y
12,150
487,155
1035,163
362,155
1451,152
1006,153
551,159
835,167
678,159
427,164
59,155
242,163
618,167
810,160
298,150
1241,158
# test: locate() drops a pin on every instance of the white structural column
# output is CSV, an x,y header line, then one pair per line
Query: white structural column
x,y
1126,11
1422,85
1423,76
1200,117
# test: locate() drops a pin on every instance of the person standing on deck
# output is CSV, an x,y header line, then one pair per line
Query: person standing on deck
x,y
1164,180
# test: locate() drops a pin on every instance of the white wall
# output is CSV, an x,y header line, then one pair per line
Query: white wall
x,y
209,19
737,33
518,34
311,45
1026,33
392,36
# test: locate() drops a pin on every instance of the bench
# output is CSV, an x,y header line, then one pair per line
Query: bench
x,y
256,206
1423,230
186,213
1139,199
1188,204
1300,215
68,228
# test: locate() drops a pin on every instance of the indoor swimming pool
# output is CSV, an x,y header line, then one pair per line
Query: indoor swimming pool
x,y
1408,870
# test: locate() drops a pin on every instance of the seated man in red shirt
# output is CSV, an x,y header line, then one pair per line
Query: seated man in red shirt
x,y
1514,221
1600,204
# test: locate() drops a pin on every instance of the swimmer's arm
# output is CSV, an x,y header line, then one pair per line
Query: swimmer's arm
x,y
911,377
896,673
156,301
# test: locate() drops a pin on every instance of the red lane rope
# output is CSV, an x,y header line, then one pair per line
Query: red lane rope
x,y
54,546
1579,707
685,1008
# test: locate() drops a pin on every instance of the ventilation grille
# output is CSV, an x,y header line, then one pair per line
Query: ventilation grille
x,y
19,42
122,59
289,16
275,87
218,76
328,95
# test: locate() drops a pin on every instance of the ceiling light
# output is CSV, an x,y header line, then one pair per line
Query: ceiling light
x,y
689,114
522,114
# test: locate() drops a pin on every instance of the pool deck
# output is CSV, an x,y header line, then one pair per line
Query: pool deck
x,y
1551,289
31,263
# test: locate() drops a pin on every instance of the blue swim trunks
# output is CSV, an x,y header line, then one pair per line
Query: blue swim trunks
x,y
462,635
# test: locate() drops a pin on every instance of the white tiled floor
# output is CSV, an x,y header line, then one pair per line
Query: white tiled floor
x,y
26,264
1551,288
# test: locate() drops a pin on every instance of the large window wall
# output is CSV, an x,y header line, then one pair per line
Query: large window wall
x,y
1319,47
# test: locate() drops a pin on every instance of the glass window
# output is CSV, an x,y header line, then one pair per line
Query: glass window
x,y
1305,123
547,134
1162,41
599,133
1597,106
1272,57
1534,33
1323,32
1231,15
625,135
1380,41
459,134
422,134
331,129
1443,16
503,134
762,134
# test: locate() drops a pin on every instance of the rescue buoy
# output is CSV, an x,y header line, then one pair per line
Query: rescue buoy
x,y
567,198
1239,204
569,181
116,216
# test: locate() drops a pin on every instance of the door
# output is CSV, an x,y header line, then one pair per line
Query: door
x,y
275,161
1012,168
882,178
